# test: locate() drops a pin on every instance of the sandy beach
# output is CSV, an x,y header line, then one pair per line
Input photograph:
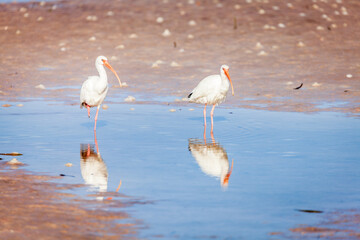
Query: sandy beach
x,y
162,49
271,47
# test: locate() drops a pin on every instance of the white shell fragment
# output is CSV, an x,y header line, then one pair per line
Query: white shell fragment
x,y
344,11
269,27
237,6
316,84
160,20
166,33
14,161
134,35
300,44
259,45
92,39
68,164
40,86
192,23
262,53
174,64
157,63
121,46
92,18
349,75
130,99
172,110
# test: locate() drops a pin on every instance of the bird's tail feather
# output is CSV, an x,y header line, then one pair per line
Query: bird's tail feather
x,y
190,95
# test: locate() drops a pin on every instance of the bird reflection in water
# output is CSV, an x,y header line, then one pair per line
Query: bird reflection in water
x,y
93,168
212,159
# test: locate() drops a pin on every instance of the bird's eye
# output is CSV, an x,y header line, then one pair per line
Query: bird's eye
x,y
103,60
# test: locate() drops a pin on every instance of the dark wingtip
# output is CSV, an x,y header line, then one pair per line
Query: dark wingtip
x,y
190,95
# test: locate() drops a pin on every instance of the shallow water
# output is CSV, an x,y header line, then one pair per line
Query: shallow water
x,y
282,162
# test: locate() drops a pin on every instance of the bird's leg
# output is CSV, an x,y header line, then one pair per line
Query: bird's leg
x,y
205,135
88,108
88,151
205,115
212,120
205,123
96,116
212,138
96,143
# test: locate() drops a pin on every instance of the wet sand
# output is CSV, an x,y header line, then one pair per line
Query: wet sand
x,y
334,225
34,206
271,47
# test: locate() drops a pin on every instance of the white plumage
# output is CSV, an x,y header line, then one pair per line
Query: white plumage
x,y
212,90
93,169
212,160
95,88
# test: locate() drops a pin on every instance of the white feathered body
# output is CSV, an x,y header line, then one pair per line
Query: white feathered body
x,y
95,88
93,91
94,173
211,90
211,158
93,168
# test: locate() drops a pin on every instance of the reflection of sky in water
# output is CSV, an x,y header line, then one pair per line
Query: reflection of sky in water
x,y
331,104
282,162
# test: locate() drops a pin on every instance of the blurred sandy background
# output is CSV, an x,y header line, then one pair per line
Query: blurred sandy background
x,y
166,47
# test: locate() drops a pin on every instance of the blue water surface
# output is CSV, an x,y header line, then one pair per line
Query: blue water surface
x,y
282,162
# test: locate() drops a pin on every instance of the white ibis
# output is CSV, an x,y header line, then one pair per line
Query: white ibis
x,y
95,88
212,159
212,90
93,168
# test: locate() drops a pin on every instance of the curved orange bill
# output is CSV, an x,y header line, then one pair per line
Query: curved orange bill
x,y
226,179
228,76
106,63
